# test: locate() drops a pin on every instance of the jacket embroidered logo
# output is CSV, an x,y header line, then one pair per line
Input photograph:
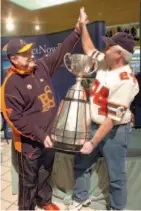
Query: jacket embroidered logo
x,y
29,86
41,80
47,99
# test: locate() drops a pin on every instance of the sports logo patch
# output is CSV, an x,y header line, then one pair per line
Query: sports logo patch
x,y
29,86
41,80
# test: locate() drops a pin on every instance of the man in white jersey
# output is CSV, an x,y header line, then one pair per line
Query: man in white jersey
x,y
110,96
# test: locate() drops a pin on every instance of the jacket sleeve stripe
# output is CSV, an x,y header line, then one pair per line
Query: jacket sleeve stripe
x,y
16,133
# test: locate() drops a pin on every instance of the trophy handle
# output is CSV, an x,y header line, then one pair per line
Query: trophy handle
x,y
67,55
95,69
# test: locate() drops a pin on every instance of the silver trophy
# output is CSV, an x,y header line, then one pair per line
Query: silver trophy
x,y
72,125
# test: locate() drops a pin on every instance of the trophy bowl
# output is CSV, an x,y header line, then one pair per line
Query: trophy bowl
x,y
79,64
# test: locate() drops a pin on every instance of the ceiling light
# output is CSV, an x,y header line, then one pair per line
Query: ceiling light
x,y
9,24
37,27
39,4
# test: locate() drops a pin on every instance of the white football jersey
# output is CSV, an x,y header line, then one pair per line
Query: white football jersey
x,y
112,92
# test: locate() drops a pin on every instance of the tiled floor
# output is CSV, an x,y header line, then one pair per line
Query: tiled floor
x,y
8,201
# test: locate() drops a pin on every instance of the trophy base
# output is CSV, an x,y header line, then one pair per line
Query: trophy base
x,y
67,148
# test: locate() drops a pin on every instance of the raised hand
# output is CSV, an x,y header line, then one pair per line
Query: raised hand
x,y
83,18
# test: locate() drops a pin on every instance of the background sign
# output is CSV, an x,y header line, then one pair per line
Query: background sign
x,y
46,44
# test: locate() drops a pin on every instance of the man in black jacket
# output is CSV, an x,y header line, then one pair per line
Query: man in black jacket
x,y
29,106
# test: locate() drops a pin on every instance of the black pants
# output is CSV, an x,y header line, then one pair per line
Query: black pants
x,y
34,178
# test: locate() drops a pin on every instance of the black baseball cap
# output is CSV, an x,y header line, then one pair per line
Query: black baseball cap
x,y
122,39
17,46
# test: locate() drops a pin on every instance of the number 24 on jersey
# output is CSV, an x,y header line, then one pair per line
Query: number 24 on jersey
x,y
100,97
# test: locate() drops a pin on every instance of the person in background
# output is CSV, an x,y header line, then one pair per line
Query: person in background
x,y
136,105
111,94
29,106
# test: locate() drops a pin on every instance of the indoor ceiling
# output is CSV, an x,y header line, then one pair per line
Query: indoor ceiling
x,y
63,17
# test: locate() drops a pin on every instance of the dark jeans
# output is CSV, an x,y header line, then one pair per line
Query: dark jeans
x,y
34,178
114,149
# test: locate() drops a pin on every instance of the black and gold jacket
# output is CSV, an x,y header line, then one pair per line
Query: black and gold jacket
x,y
28,100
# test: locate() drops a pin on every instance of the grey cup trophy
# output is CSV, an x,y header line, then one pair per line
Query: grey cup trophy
x,y
72,125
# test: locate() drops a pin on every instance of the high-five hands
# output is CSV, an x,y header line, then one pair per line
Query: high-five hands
x,y
82,20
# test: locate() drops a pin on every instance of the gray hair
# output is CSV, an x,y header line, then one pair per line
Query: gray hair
x,y
127,56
